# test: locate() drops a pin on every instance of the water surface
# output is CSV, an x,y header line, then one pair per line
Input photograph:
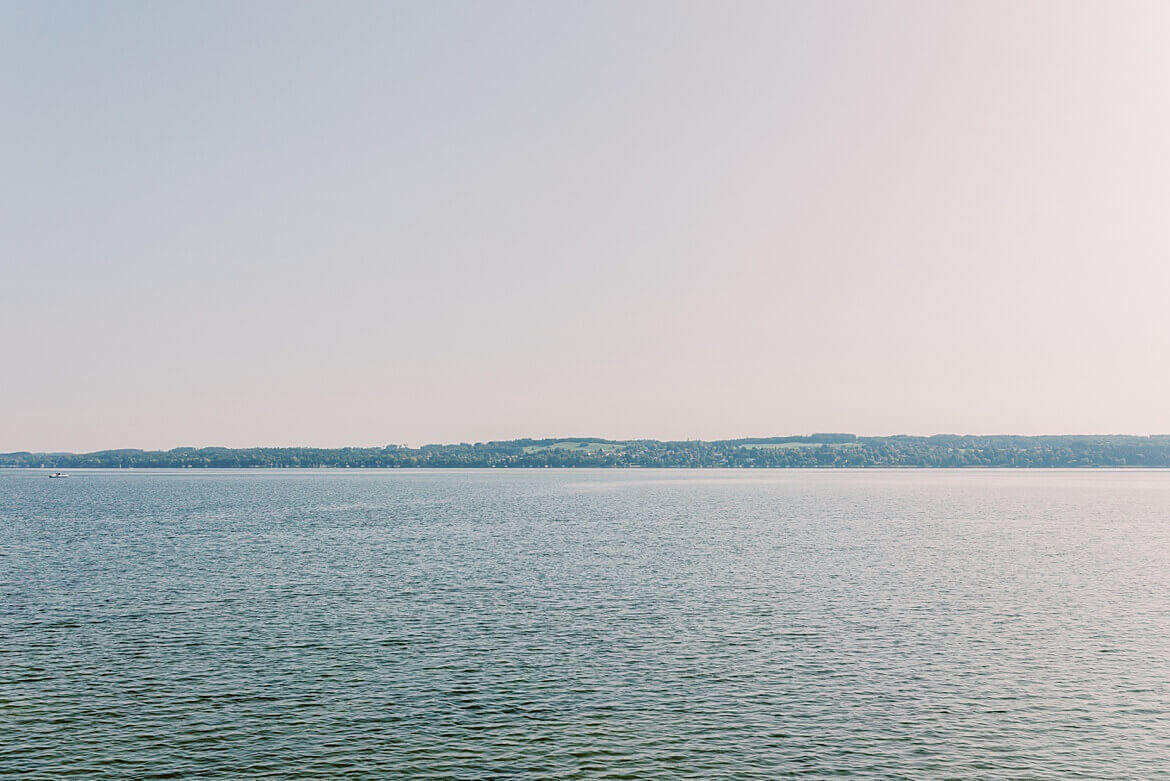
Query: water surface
x,y
585,624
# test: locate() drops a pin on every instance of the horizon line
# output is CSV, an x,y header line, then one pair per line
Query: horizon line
x,y
578,438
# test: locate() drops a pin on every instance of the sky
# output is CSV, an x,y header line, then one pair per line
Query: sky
x,y
346,223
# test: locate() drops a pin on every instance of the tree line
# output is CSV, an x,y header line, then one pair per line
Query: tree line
x,y
814,451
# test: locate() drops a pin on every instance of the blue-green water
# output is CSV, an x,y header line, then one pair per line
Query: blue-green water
x,y
585,624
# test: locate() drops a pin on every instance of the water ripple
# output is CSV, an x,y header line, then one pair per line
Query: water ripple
x,y
585,624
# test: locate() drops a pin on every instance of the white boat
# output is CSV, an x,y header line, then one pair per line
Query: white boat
x,y
58,474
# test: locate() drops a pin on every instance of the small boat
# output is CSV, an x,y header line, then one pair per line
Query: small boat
x,y
58,474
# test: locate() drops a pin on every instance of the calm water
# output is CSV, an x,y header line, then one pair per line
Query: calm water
x,y
585,624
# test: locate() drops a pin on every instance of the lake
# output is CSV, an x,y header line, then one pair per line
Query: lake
x,y
585,624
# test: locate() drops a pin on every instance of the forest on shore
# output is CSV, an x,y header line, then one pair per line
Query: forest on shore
x,y
816,450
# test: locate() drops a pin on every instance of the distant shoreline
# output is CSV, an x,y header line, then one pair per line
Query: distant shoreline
x,y
620,468
942,451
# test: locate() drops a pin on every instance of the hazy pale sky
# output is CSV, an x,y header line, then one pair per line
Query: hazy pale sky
x,y
278,223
